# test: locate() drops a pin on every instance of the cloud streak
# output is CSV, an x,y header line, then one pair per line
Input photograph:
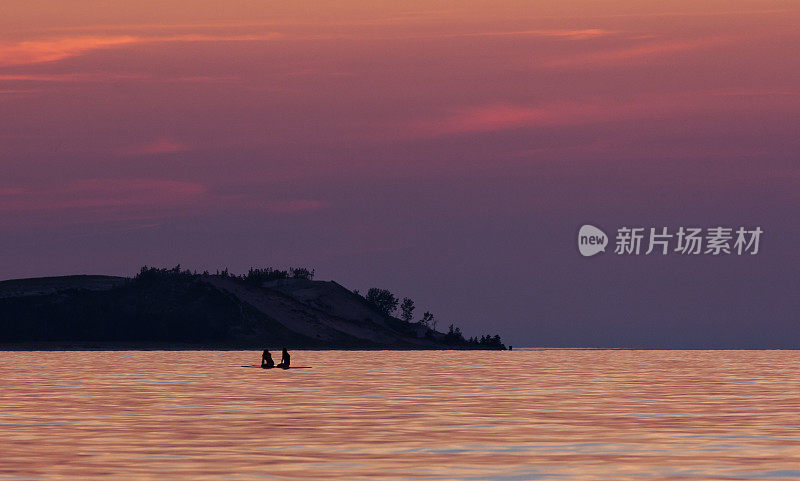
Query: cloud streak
x,y
119,199
480,119
506,116
56,49
102,193
155,147
40,51
606,58
571,34
52,50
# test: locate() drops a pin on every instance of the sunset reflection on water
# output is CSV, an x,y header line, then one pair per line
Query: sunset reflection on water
x,y
533,414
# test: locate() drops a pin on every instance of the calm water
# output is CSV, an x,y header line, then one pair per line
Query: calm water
x,y
520,415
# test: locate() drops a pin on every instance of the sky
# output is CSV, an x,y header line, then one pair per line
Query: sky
x,y
448,151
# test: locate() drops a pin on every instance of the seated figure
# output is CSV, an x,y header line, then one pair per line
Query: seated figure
x,y
284,359
266,360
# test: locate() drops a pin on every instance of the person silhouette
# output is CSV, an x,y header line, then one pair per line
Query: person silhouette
x,y
284,359
266,360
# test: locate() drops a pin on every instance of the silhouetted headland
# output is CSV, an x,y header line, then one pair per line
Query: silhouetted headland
x,y
179,309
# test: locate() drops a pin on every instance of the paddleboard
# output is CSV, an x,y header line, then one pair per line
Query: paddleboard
x,y
276,367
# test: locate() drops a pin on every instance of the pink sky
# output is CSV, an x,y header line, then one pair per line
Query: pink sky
x,y
386,144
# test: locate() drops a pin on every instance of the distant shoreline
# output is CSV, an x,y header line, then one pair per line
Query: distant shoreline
x,y
125,346
174,309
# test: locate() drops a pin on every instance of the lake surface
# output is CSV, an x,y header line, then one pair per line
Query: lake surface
x,y
520,415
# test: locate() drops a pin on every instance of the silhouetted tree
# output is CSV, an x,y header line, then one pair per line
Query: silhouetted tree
x,y
383,300
302,273
454,335
258,276
487,342
155,274
427,319
407,309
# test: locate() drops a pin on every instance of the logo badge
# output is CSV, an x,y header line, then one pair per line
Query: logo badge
x,y
591,240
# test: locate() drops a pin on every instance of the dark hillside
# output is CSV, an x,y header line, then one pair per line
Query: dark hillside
x,y
185,310
170,307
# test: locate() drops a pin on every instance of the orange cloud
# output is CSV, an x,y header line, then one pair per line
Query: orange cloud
x,y
119,199
40,51
113,77
51,50
497,117
481,119
714,13
17,91
68,77
102,193
788,92
505,117
159,146
572,34
604,58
